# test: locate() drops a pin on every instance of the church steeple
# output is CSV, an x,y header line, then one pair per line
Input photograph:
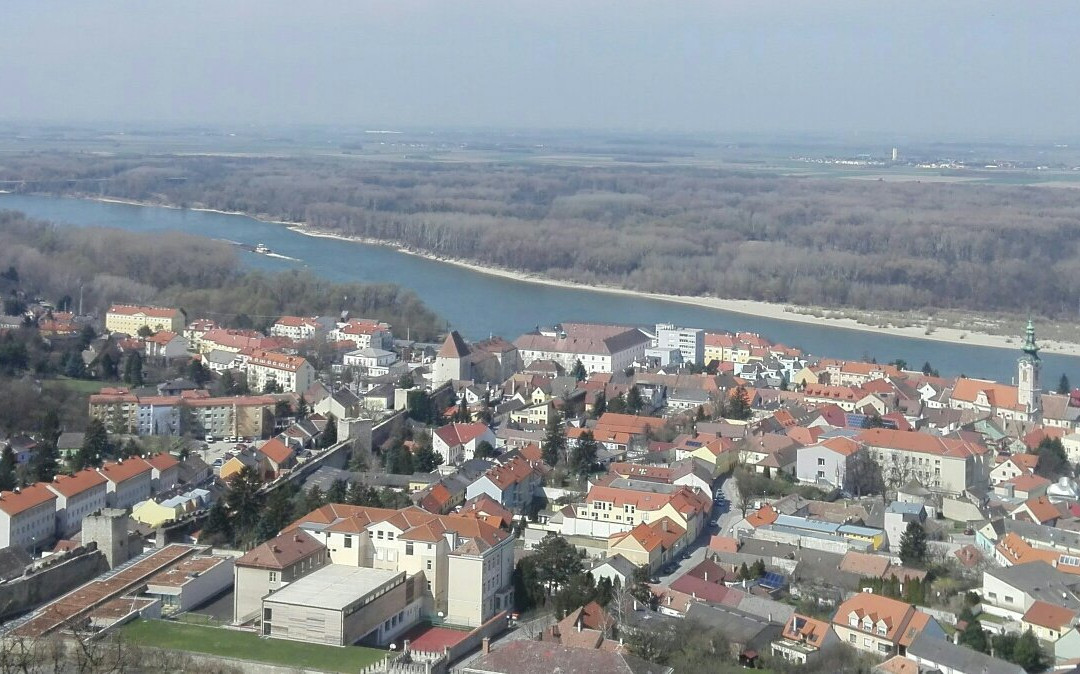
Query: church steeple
x,y
1030,347
1028,366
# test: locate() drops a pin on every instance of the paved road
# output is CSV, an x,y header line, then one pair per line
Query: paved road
x,y
722,517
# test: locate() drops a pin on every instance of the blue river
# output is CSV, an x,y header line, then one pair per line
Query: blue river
x,y
479,305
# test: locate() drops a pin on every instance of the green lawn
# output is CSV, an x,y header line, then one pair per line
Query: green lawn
x,y
78,385
247,646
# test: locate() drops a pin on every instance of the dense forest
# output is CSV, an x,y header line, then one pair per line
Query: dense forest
x,y
828,242
199,275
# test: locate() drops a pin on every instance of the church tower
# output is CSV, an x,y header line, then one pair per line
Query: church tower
x,y
1028,372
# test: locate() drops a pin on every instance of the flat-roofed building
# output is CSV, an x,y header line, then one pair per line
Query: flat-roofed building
x,y
191,582
340,605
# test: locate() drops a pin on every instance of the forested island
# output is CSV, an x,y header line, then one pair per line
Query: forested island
x,y
685,231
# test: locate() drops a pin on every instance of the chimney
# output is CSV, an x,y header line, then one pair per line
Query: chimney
x,y
485,646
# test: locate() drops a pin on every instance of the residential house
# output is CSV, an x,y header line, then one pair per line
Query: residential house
x,y
77,495
299,328
370,362
882,626
275,457
165,473
165,345
933,654
804,639
1039,510
458,442
1048,621
898,516
364,333
615,568
545,657
627,503
649,544
1009,592
828,462
513,484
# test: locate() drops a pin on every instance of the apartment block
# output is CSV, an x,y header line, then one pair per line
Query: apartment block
x,y
128,319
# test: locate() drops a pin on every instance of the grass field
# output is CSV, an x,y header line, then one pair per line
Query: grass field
x,y
247,646
77,385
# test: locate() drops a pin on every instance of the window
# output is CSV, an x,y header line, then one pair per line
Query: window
x,y
881,630
868,642
1008,599
821,461
853,621
348,541
852,638
409,548
273,576
429,565
883,648
268,614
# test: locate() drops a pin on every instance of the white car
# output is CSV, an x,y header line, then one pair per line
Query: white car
x,y
208,439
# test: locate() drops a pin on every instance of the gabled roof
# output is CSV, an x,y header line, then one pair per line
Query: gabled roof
x,y
282,551
163,461
1048,615
459,434
277,451
454,346
805,629
14,503
125,469
77,483
899,618
924,443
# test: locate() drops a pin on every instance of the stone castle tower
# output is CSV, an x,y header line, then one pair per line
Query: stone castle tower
x,y
1028,366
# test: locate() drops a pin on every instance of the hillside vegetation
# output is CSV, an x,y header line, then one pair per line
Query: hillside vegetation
x,y
823,242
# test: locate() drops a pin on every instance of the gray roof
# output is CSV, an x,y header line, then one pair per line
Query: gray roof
x,y
1041,533
619,563
545,657
70,440
897,507
1041,581
738,626
220,357
942,653
334,587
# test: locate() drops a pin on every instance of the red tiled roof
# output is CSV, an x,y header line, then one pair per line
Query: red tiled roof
x,y
14,503
459,434
276,451
282,551
153,312
1048,615
124,470
70,485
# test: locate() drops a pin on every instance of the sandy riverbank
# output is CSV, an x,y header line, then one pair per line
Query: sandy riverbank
x,y
783,312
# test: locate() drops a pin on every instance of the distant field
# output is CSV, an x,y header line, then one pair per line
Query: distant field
x,y
248,646
78,385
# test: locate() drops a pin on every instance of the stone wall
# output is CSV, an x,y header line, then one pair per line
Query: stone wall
x,y
50,581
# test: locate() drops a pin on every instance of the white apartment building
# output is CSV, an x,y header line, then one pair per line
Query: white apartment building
x,y
77,496
467,562
370,361
291,373
689,341
296,327
945,465
129,481
27,517
600,348
364,333
127,319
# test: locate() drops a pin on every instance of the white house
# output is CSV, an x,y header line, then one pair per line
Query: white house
x,y
129,482
600,348
291,373
513,484
827,462
458,442
370,361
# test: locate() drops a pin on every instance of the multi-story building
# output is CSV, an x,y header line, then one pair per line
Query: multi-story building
x,y
882,626
364,333
271,566
803,639
689,341
946,465
513,484
77,496
27,517
291,373
129,481
828,462
467,563
371,362
599,348
627,503
191,412
127,319
458,442
298,327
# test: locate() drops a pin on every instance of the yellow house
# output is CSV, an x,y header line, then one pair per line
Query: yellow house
x,y
128,319
1049,622
234,465
538,413
648,545
875,537
685,507
805,376
155,514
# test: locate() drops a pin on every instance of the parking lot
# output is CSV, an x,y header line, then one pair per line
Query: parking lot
x,y
217,450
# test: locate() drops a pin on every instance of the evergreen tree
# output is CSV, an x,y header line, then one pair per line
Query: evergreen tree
x,y
7,469
133,369
313,500
197,372
484,450
744,572
583,456
95,446
738,406
461,412
276,515
218,525
974,637
634,401
73,365
131,448
338,492
399,460
578,372
1028,653
1063,385
757,570
426,459
329,434
554,444
245,502
362,495
600,406
107,366
1053,461
913,551
640,590
617,405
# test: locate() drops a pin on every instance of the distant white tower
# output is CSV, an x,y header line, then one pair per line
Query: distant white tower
x,y
895,154
1028,367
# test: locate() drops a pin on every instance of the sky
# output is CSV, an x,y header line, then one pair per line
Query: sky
x,y
925,68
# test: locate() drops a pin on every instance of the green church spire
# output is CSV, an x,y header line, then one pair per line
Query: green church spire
x,y
1030,347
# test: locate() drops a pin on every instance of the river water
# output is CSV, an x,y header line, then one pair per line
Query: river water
x,y
479,305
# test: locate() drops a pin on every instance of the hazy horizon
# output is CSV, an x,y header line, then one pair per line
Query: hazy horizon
x,y
966,69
